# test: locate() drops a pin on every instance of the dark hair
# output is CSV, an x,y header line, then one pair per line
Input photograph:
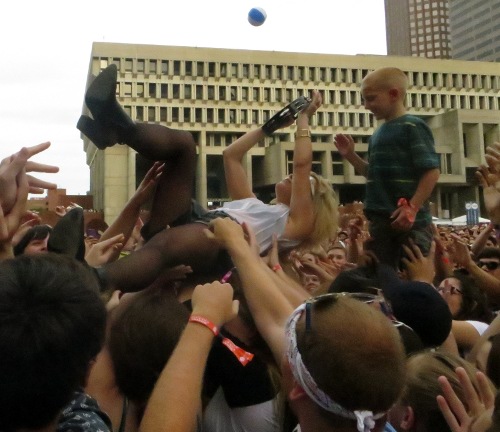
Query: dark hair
x,y
489,252
142,337
52,324
474,301
38,232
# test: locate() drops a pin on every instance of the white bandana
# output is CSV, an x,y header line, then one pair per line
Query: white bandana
x,y
365,419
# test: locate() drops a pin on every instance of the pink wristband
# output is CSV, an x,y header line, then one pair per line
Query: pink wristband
x,y
203,321
243,356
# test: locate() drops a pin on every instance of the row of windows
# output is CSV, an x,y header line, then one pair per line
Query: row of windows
x,y
187,68
241,116
323,74
330,97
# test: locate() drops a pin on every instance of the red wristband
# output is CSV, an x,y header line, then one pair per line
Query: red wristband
x,y
243,356
203,321
276,267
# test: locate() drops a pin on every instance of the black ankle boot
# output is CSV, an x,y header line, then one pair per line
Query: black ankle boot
x,y
100,98
67,236
99,134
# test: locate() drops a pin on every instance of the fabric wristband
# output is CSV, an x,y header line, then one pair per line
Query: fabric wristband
x,y
243,356
276,267
411,210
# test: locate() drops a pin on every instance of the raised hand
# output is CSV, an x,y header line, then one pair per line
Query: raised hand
x,y
479,403
344,144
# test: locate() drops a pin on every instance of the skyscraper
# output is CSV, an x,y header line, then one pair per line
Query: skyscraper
x,y
475,29
459,29
418,28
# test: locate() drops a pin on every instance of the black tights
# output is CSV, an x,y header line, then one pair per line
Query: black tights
x,y
184,244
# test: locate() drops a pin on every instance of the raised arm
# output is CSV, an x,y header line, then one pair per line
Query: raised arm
x,y
125,222
237,182
301,217
269,306
345,146
175,400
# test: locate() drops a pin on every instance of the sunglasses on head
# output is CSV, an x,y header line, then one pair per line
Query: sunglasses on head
x,y
490,265
374,298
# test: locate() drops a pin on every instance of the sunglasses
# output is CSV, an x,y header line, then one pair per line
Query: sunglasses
x,y
452,290
374,298
490,265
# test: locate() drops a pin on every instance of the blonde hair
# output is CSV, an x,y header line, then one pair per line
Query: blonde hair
x,y
326,212
422,387
386,78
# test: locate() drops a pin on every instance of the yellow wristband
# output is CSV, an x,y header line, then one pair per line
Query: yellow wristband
x,y
302,133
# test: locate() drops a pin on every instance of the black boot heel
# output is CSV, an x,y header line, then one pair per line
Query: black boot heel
x,y
100,135
100,98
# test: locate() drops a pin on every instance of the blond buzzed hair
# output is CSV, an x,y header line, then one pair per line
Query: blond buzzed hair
x,y
386,78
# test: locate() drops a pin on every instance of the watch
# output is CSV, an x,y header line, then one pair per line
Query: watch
x,y
302,133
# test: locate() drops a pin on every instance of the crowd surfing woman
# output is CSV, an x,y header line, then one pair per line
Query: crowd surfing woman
x,y
305,209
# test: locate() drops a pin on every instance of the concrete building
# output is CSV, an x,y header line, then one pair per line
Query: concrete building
x,y
475,29
219,94
418,28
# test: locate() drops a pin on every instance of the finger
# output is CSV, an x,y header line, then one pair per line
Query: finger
x,y
485,392
409,252
209,234
33,150
456,407
447,414
108,242
471,396
32,166
235,307
40,184
432,251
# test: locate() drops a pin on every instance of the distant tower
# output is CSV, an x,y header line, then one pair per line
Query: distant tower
x,y
418,28
475,29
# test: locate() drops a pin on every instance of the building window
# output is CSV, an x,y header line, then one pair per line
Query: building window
x,y
222,93
187,92
127,89
163,114
211,69
187,114
128,65
140,90
175,114
337,164
199,92
139,112
164,67
152,90
189,68
176,91
152,114
211,92
210,115
445,163
140,66
163,90
177,67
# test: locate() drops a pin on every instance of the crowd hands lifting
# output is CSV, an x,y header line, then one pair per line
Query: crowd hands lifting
x,y
279,288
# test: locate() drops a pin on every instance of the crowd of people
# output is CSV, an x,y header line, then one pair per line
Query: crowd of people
x,y
295,315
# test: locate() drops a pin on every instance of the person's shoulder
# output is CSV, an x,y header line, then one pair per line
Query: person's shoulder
x,y
82,414
411,120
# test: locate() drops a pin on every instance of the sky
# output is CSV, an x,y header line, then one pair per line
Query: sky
x,y
46,48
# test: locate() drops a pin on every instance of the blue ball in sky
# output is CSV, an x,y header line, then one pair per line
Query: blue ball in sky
x,y
257,16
